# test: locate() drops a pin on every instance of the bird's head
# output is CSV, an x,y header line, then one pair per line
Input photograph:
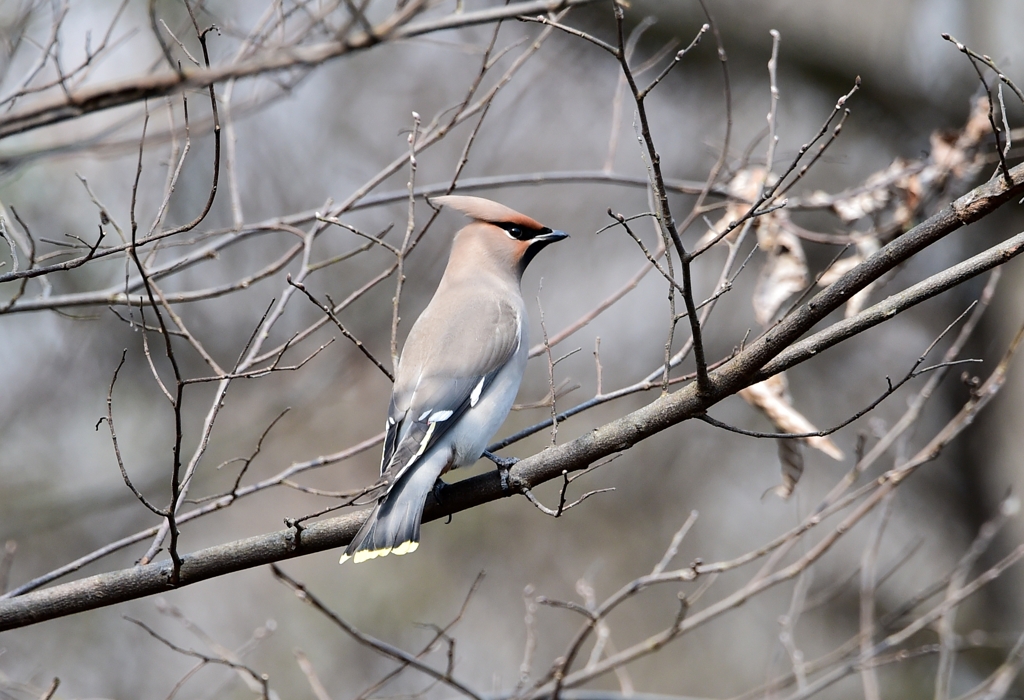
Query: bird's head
x,y
499,234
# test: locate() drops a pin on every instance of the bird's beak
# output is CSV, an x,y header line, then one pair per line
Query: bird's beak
x,y
549,237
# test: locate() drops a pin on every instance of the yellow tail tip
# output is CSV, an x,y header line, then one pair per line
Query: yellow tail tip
x,y
365,554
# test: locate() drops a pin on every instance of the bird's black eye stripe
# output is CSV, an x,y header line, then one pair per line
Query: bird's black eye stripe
x,y
521,233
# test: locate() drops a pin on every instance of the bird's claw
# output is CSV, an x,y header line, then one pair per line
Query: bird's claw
x,y
504,464
439,487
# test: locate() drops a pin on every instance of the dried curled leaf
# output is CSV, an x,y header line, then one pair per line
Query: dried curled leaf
x,y
784,271
744,189
772,397
953,154
791,457
872,196
957,154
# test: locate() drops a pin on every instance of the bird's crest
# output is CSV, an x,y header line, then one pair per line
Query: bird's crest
x,y
485,210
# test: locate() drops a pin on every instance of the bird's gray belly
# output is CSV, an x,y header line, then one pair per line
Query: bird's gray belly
x,y
470,437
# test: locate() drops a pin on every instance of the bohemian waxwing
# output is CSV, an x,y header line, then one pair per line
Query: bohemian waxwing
x,y
459,372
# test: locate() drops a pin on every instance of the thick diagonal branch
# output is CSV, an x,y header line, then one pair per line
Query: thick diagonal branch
x,y
616,436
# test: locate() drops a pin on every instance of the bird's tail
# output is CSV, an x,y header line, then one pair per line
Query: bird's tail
x,y
394,524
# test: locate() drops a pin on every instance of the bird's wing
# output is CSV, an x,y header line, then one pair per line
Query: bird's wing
x,y
451,357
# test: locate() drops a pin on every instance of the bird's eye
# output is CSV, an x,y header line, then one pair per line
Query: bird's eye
x,y
519,233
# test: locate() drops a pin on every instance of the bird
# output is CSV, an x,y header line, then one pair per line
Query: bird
x,y
459,370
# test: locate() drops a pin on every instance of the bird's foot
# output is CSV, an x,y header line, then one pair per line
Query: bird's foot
x,y
439,487
438,491
503,464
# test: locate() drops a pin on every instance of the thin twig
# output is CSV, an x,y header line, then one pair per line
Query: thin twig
x,y
383,648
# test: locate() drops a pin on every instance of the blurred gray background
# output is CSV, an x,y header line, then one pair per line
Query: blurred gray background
x,y
61,495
